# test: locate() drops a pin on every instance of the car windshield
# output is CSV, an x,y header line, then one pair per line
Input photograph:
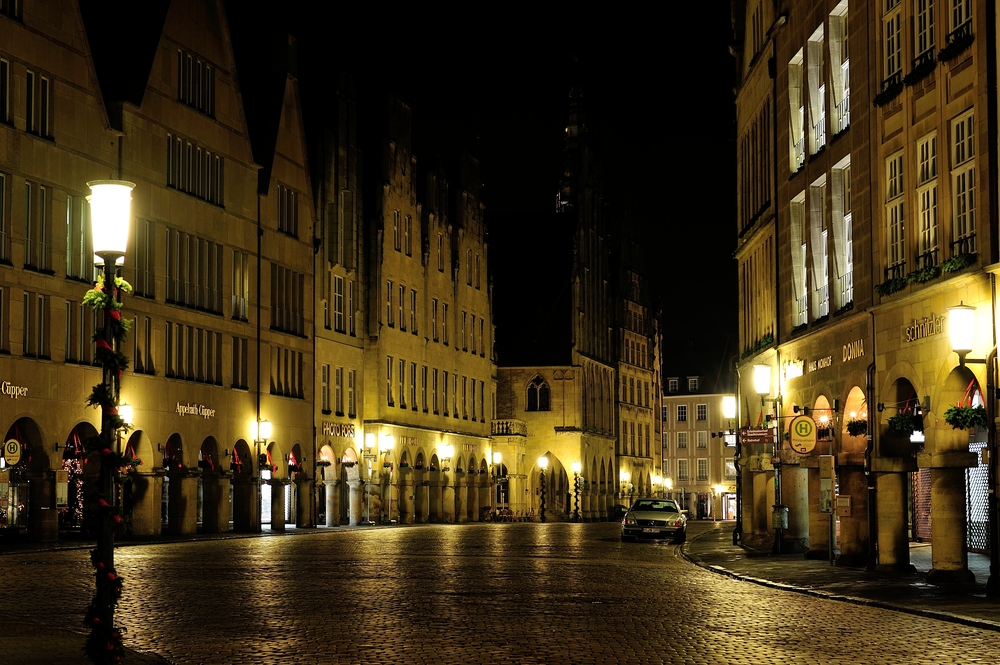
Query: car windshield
x,y
654,505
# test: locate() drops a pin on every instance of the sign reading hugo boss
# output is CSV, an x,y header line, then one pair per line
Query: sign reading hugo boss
x,y
8,389
338,429
189,409
925,327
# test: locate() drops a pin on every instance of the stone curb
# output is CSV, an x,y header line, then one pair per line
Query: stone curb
x,y
950,617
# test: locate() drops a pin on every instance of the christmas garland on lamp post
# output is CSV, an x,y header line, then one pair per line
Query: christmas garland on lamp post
x,y
110,212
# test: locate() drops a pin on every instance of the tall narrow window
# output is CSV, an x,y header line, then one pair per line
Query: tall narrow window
x,y
963,184
840,67
413,386
444,392
4,91
843,233
817,92
241,284
892,45
351,402
796,114
350,307
413,311
894,216
395,230
444,322
924,28
927,219
402,384
402,306
338,303
434,323
423,388
818,237
338,391
798,247
434,390
388,304
4,219
408,235
440,252
388,380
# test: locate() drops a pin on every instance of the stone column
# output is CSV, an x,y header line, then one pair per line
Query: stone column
x,y
475,489
462,509
421,498
303,501
356,510
278,503
244,505
215,502
332,502
893,543
448,498
405,496
434,497
586,512
182,509
853,527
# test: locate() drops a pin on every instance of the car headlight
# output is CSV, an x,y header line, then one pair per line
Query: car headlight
x,y
629,520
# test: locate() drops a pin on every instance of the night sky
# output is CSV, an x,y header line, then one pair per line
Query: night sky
x,y
660,100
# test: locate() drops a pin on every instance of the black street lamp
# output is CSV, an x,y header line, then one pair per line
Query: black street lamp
x,y
543,463
576,491
111,211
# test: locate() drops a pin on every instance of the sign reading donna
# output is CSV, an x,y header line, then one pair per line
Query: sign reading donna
x,y
925,327
189,409
338,429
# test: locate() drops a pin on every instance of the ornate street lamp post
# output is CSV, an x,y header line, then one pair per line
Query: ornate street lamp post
x,y
576,491
111,211
543,463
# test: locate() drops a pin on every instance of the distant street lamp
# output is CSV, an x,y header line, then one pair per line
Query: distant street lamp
x,y
576,491
111,214
543,463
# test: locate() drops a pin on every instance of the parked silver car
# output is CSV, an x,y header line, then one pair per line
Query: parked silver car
x,y
655,518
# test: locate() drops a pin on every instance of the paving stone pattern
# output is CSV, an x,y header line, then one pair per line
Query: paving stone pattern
x,y
478,593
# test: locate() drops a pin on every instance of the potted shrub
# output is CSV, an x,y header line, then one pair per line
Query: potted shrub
x,y
965,416
906,423
857,426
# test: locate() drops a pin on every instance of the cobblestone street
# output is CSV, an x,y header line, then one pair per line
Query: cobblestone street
x,y
478,593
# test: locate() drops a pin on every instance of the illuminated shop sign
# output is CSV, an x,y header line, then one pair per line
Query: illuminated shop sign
x,y
822,363
925,327
338,429
854,350
189,409
10,390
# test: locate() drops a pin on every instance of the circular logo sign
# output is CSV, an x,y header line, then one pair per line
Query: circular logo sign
x,y
12,452
802,434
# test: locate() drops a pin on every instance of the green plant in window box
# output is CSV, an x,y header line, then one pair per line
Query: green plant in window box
x,y
957,262
905,423
923,275
962,416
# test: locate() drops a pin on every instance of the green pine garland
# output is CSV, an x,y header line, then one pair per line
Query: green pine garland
x,y
105,644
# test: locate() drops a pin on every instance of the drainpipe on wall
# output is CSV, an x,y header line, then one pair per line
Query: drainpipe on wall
x,y
869,450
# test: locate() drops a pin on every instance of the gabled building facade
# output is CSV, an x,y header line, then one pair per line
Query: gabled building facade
x,y
883,217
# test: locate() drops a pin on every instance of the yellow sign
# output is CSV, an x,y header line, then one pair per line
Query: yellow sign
x,y
12,452
802,434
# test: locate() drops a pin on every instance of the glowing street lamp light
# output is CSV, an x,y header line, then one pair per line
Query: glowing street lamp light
x,y
762,381
729,405
961,329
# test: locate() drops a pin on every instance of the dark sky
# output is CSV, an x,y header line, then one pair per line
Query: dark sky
x,y
660,98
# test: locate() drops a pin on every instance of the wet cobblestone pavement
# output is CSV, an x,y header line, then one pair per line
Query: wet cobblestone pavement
x,y
477,593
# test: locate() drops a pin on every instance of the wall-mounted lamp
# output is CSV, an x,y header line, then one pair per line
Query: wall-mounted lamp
x,y
762,381
961,331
